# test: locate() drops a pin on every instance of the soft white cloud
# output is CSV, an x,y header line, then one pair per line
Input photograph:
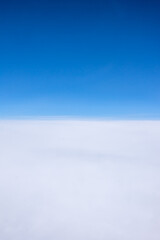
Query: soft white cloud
x,y
79,180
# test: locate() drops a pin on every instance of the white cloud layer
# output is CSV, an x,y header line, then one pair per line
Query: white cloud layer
x,y
90,180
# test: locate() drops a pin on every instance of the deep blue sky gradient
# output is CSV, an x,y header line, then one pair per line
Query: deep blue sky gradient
x,y
80,58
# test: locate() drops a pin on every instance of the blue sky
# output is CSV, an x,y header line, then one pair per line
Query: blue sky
x,y
80,58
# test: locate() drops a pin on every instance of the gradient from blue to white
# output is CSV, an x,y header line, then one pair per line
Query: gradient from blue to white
x,y
79,179
80,58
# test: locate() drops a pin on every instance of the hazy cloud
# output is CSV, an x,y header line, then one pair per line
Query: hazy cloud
x,y
79,180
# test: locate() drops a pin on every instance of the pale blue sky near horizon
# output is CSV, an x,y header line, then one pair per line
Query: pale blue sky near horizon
x,y
80,59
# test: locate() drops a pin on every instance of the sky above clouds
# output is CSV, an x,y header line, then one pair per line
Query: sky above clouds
x,y
66,172
80,58
88,180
